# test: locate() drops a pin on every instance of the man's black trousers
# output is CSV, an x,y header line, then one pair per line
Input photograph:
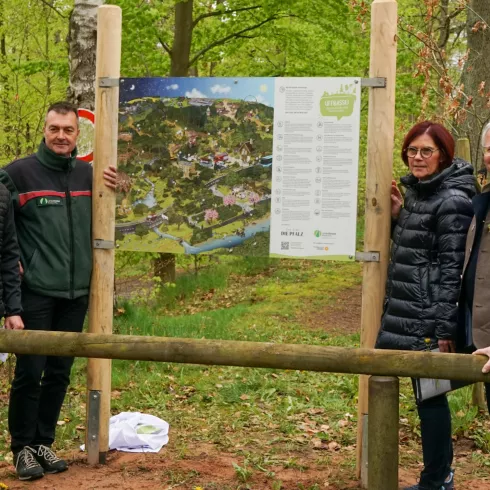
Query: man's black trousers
x,y
40,382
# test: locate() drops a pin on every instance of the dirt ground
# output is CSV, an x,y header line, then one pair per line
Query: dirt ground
x,y
203,467
207,467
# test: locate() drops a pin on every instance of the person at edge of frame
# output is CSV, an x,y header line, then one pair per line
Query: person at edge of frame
x,y
474,305
427,254
51,194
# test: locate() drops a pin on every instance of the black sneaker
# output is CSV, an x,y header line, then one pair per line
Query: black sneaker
x,y
48,460
26,465
448,484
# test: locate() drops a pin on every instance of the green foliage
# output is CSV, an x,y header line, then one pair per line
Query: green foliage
x,y
140,209
141,230
294,38
33,70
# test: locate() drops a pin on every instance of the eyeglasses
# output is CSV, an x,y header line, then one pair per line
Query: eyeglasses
x,y
424,152
486,150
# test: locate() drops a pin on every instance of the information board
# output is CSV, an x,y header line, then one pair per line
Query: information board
x,y
249,166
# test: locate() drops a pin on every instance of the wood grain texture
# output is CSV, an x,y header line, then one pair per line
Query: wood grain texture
x,y
247,354
383,432
103,207
381,133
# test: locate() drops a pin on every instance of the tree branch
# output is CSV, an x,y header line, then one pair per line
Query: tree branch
x,y
165,46
222,12
219,42
45,2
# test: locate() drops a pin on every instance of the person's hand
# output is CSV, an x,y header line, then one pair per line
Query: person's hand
x,y
396,200
21,270
110,176
484,352
446,345
14,323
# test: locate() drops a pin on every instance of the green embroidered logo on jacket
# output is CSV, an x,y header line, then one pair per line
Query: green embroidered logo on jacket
x,y
49,201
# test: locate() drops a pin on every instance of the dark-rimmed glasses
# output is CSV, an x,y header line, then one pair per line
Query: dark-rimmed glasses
x,y
426,152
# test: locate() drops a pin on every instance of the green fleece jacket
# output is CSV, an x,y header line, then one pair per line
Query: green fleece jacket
x,y
52,197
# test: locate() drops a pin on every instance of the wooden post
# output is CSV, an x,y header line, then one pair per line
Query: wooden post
x,y
103,226
381,133
383,433
462,149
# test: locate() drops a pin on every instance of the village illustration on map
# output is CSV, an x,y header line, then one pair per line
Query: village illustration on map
x,y
195,165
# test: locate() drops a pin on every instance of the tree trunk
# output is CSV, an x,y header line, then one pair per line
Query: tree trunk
x,y
181,49
476,71
164,267
82,41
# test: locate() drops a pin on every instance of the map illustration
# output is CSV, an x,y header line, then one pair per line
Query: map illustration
x,y
195,165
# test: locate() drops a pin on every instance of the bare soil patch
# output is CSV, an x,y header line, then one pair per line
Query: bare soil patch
x,y
343,316
206,467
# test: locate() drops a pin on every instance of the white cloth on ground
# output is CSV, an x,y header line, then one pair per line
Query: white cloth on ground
x,y
137,432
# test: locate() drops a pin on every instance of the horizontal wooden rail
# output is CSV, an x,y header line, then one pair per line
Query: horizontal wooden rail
x,y
246,354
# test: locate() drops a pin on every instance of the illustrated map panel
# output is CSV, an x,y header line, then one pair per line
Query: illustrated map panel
x,y
196,158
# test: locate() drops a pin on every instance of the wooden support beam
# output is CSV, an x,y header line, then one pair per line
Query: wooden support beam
x,y
380,141
247,354
383,433
103,221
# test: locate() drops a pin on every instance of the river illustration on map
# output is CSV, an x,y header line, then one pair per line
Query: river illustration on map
x,y
195,165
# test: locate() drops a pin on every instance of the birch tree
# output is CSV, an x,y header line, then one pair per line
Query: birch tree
x,y
82,43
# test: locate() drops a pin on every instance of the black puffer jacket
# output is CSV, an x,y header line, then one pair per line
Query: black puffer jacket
x,y
10,303
427,258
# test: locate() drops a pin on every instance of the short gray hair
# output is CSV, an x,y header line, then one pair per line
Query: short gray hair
x,y
484,132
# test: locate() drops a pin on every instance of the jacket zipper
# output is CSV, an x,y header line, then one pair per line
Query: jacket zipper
x,y
70,226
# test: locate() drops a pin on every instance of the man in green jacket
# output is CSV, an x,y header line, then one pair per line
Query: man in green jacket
x,y
51,192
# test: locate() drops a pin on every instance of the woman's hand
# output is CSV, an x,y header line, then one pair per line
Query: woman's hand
x,y
484,352
396,200
446,345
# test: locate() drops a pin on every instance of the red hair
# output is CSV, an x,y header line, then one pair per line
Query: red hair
x,y
441,136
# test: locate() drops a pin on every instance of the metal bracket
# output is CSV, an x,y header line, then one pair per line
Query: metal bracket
x,y
107,82
367,256
105,244
377,82
93,418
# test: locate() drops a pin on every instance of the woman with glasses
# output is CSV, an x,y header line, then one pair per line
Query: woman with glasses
x,y
427,255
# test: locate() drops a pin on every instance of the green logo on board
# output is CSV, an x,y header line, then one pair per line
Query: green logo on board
x,y
340,104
